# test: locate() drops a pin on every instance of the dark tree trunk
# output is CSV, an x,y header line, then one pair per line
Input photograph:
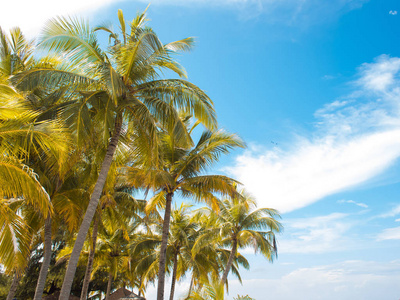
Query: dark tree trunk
x,y
14,285
175,262
89,266
91,210
46,260
230,261
163,251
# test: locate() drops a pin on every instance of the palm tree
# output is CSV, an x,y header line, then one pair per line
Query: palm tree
x,y
15,53
241,226
121,86
26,134
208,257
180,169
213,289
182,234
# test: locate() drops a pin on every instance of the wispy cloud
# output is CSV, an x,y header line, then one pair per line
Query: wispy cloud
x,y
389,234
32,14
354,202
391,213
289,12
393,12
329,77
346,280
355,138
320,234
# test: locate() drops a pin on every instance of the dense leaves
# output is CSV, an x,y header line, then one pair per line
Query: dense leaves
x,y
82,130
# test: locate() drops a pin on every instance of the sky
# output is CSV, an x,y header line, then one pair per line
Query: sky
x,y
313,87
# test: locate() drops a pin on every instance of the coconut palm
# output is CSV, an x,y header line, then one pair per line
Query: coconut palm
x,y
15,53
180,172
182,235
23,137
208,256
213,289
121,86
240,226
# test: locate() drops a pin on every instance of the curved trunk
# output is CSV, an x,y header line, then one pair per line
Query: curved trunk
x,y
230,261
13,288
89,266
91,210
163,251
175,262
110,277
46,260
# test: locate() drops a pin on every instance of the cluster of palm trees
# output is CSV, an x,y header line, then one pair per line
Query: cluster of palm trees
x,y
82,129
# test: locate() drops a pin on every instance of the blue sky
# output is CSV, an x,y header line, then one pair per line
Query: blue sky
x,y
313,87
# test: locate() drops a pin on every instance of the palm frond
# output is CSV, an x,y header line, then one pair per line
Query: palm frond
x,y
73,37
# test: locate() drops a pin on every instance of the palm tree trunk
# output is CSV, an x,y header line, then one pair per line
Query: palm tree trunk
x,y
86,280
191,285
87,219
230,261
175,262
46,260
163,251
109,286
14,285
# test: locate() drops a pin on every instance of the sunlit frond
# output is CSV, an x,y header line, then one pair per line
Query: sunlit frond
x,y
14,239
72,37
19,181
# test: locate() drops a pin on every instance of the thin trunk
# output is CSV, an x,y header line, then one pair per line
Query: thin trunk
x,y
163,251
46,260
191,285
94,201
89,266
110,277
14,285
230,261
175,262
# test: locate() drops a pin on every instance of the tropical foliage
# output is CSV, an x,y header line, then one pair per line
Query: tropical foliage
x,y
84,132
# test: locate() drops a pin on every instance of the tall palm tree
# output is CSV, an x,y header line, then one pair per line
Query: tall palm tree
x,y
22,137
242,226
180,172
121,85
182,235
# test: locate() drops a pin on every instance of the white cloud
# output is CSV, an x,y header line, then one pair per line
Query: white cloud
x,y
389,234
355,139
354,202
347,280
391,213
393,12
328,77
381,74
32,15
291,180
316,235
